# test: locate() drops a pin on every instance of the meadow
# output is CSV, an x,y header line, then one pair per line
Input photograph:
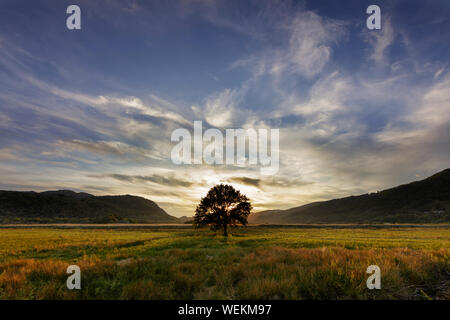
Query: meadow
x,y
253,263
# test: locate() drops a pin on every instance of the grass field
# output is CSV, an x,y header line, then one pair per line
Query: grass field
x,y
254,263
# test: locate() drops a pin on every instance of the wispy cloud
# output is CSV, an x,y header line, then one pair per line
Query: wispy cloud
x,y
116,148
305,51
380,40
167,180
219,108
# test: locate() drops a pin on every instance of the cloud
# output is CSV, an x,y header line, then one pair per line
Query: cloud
x,y
310,44
436,104
382,131
430,111
167,180
136,103
380,40
327,95
306,51
219,108
269,182
439,72
115,148
107,102
246,180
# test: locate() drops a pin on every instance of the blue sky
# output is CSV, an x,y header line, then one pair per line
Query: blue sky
x,y
93,109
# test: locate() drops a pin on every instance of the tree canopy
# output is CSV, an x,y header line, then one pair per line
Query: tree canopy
x,y
223,206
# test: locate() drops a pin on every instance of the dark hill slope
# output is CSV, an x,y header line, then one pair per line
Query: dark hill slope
x,y
421,201
68,206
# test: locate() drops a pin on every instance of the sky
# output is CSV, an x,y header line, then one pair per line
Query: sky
x,y
93,110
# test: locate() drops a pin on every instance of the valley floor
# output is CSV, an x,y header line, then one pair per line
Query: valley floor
x,y
254,263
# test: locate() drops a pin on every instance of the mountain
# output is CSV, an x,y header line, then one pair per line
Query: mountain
x,y
185,219
422,201
65,206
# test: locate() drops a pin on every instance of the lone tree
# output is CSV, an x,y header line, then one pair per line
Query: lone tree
x,y
222,206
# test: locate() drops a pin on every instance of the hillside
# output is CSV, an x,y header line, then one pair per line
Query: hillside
x,y
66,206
417,202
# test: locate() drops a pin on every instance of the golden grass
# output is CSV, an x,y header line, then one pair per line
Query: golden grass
x,y
253,264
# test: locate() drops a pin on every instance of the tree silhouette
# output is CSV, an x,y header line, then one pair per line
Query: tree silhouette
x,y
223,206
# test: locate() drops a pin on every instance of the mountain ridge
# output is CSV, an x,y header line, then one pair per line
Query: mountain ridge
x,y
423,201
67,206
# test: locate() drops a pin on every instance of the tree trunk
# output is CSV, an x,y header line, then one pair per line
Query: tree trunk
x,y
225,231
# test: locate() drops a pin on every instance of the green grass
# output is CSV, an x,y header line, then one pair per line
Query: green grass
x,y
254,263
